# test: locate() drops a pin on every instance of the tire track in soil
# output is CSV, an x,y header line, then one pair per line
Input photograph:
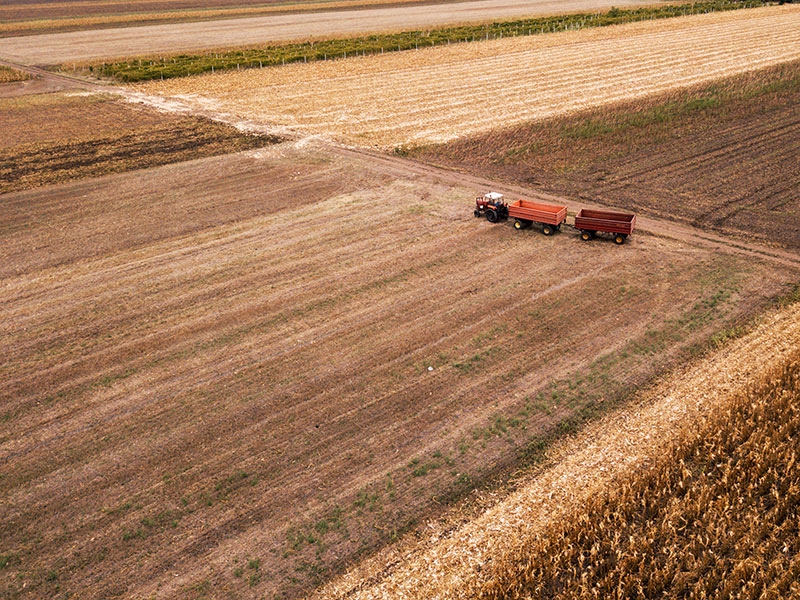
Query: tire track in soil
x,y
759,137
654,226
148,417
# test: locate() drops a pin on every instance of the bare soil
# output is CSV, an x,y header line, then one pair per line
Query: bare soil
x,y
237,374
25,10
58,137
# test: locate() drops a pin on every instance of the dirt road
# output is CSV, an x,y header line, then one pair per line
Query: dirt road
x,y
58,48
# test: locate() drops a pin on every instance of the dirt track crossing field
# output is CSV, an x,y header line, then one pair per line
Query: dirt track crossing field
x,y
439,94
721,156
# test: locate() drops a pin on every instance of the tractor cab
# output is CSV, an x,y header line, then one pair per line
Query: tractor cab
x,y
492,206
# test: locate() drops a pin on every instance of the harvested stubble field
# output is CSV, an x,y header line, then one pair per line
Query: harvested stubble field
x,y
8,75
237,374
440,94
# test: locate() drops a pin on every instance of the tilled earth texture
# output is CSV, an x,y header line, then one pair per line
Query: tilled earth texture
x,y
48,138
237,374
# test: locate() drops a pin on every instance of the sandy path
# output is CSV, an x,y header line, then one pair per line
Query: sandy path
x,y
57,48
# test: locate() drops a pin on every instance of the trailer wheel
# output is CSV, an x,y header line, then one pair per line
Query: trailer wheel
x,y
619,238
519,224
491,216
586,235
547,230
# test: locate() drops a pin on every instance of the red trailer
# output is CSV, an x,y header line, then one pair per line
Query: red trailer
x,y
590,222
526,212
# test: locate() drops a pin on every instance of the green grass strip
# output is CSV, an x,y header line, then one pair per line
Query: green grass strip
x,y
182,65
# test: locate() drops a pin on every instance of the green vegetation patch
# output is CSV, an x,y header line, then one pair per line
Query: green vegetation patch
x,y
182,65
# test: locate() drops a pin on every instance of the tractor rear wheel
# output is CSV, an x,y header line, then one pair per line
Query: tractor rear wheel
x,y
491,216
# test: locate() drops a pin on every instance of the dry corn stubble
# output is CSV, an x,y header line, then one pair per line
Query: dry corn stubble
x,y
443,93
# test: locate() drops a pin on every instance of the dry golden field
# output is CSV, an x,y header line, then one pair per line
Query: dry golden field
x,y
237,375
440,94
8,75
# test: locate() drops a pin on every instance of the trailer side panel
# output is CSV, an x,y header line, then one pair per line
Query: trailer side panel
x,y
607,221
549,214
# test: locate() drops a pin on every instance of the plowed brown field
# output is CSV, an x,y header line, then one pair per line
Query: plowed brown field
x,y
246,370
55,137
437,94
234,376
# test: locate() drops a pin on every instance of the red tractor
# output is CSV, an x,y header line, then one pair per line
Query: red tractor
x,y
492,205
